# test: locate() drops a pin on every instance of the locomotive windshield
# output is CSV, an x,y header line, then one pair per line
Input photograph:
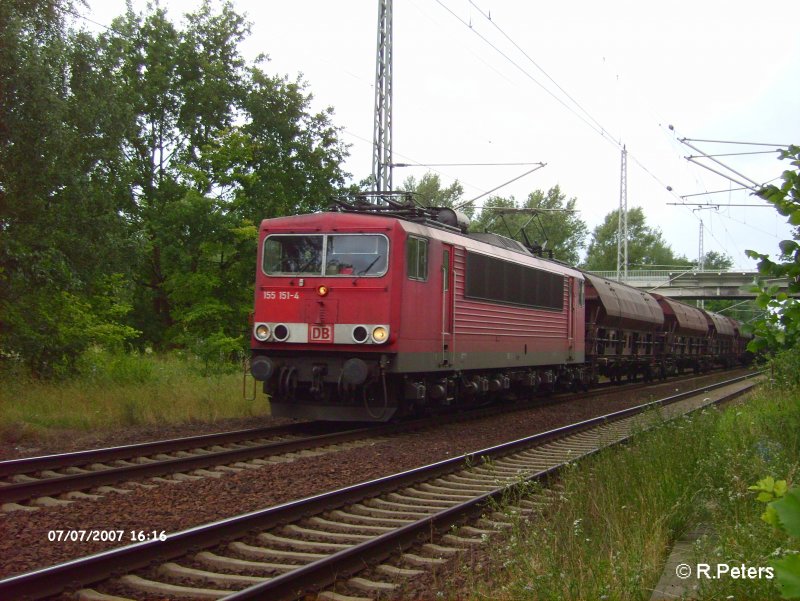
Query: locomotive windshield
x,y
331,255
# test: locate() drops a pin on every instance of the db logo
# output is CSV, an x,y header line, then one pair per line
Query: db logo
x,y
318,333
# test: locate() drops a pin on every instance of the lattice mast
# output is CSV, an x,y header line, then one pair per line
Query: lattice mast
x,y
701,261
382,133
701,255
622,225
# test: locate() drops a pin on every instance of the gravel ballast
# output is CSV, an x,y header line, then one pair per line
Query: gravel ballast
x,y
173,507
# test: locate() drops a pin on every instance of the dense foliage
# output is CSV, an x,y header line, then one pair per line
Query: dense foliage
x,y
646,244
781,327
135,166
547,219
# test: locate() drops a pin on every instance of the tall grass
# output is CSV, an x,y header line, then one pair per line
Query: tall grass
x,y
613,524
115,390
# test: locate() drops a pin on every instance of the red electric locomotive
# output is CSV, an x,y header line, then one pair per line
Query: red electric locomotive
x,y
371,314
375,311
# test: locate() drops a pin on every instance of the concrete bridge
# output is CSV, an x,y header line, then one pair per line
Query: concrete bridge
x,y
693,284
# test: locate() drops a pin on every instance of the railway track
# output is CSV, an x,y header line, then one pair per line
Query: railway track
x,y
39,479
53,480
306,545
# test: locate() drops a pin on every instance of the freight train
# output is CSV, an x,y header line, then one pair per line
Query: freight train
x,y
374,311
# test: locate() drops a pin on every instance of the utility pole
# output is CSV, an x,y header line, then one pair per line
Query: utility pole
x,y
382,133
622,225
701,257
701,253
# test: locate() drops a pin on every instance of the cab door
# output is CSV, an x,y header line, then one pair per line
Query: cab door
x,y
447,299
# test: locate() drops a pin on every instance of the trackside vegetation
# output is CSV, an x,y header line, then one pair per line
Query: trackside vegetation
x,y
112,391
609,529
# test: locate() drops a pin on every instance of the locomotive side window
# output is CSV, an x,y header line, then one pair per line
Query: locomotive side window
x,y
349,255
417,258
496,280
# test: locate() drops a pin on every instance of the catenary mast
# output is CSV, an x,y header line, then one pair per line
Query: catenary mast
x,y
382,133
622,225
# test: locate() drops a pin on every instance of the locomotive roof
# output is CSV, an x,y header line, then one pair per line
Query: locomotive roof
x,y
312,221
501,241
510,252
493,244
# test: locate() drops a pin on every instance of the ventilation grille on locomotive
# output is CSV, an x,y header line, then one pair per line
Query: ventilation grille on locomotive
x,y
500,281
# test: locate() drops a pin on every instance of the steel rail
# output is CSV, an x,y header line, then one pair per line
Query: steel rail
x,y
56,579
55,485
27,465
10,493
326,571
24,465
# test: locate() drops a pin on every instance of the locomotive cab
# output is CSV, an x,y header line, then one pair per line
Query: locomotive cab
x,y
323,323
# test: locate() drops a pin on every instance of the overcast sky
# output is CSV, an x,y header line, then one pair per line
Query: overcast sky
x,y
609,73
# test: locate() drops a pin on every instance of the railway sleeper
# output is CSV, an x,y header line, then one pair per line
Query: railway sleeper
x,y
445,497
89,594
313,534
50,502
334,596
303,544
494,525
428,502
270,553
527,464
372,586
461,541
470,478
502,475
146,585
396,572
207,473
318,521
234,563
460,483
420,560
367,519
391,513
398,503
174,570
449,491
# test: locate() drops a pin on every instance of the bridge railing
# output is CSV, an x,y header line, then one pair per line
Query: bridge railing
x,y
670,274
638,274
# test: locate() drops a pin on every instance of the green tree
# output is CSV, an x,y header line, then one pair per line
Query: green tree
x,y
716,260
62,235
180,89
214,146
721,261
646,244
548,219
780,329
428,192
135,167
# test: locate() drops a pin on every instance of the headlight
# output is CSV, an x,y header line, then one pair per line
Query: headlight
x,y
262,332
360,334
380,334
